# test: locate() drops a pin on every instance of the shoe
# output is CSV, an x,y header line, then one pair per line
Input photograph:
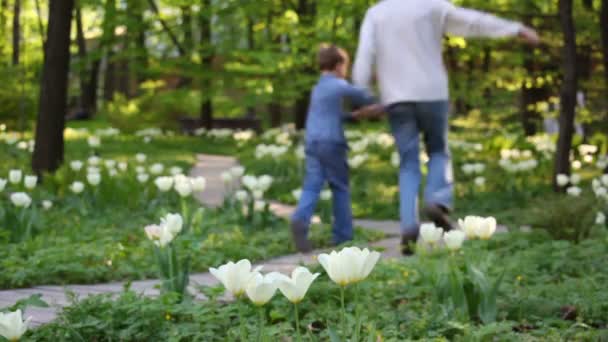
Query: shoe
x,y
299,232
408,243
438,214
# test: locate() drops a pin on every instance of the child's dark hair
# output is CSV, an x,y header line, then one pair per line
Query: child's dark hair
x,y
330,56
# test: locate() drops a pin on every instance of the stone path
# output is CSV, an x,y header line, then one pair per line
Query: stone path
x,y
210,167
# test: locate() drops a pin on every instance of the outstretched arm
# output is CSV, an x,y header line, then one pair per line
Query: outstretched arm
x,y
364,60
471,23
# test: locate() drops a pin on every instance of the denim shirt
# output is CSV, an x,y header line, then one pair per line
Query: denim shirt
x,y
326,113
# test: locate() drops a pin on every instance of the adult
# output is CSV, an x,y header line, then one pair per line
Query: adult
x,y
403,40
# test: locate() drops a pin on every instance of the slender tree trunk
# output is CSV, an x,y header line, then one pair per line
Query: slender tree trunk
x,y
40,24
16,31
487,64
274,107
107,45
207,52
251,46
85,86
604,32
3,20
48,151
307,13
568,91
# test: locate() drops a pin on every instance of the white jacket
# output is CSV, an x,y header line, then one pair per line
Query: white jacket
x,y
403,40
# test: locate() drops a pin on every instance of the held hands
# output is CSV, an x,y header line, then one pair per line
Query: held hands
x,y
529,35
374,111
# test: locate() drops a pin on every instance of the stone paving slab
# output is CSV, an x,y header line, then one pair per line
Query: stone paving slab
x,y
211,167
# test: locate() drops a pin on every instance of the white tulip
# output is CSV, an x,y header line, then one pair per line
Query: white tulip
x,y
326,195
562,179
260,289
235,277
297,193
173,223
198,184
77,187
157,169
237,171
140,157
250,182
430,233
480,181
395,159
47,205
183,188
14,176
94,179
577,164
2,184
575,179
241,195
574,191
471,225
605,179
110,164
153,232
122,166
12,325
600,219
94,141
264,182
226,177
296,287
140,169
350,265
257,194
454,239
76,165
21,200
259,205
112,172
176,170
143,177
487,228
94,160
30,182
164,184
93,169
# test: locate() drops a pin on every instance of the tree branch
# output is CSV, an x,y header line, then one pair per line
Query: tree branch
x,y
172,36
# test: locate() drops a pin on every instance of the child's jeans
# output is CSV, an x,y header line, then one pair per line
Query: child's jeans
x,y
327,162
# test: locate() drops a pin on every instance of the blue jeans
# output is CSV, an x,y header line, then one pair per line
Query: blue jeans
x,y
327,162
407,121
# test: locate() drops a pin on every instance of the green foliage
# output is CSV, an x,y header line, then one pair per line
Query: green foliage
x,y
396,298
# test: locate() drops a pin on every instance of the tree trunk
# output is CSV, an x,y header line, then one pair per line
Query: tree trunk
x,y
107,45
48,151
306,11
16,31
136,43
85,85
40,24
188,41
3,21
250,110
487,64
206,47
604,32
568,91
274,107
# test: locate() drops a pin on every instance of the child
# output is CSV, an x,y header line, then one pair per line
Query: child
x,y
326,147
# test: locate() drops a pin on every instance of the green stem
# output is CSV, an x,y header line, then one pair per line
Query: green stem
x,y
295,308
357,313
261,327
170,275
242,319
343,310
